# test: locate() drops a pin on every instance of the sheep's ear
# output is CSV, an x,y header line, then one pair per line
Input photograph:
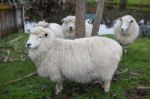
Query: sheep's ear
x,y
131,21
29,31
120,19
62,20
46,34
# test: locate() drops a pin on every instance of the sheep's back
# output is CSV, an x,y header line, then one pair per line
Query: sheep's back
x,y
89,57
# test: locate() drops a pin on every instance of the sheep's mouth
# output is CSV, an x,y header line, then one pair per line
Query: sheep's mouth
x,y
70,30
124,30
32,48
125,34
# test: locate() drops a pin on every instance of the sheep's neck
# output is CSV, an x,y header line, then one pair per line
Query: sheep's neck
x,y
40,54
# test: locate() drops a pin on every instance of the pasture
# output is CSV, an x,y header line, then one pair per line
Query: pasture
x,y
141,5
133,72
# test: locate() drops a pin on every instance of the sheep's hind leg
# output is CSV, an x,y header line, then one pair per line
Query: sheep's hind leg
x,y
107,85
125,49
59,87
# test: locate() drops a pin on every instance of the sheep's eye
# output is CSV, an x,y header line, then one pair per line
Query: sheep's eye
x,y
40,37
120,19
131,21
46,35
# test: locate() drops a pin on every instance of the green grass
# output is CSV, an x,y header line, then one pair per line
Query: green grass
x,y
130,3
136,61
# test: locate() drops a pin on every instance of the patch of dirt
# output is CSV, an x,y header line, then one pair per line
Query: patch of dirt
x,y
138,93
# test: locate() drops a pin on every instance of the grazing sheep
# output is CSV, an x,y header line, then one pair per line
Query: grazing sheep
x,y
82,60
57,29
68,27
126,30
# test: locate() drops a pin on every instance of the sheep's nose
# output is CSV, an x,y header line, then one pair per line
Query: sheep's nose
x,y
122,30
70,28
28,45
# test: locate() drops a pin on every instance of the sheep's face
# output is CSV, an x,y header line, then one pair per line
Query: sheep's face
x,y
34,41
69,23
125,23
36,38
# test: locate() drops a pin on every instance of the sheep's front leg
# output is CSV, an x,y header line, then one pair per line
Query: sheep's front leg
x,y
59,87
107,85
125,49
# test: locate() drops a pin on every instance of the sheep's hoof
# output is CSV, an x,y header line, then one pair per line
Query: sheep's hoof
x,y
124,51
59,88
106,90
57,92
107,85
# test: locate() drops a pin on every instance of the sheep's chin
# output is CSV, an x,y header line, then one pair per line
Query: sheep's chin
x,y
71,31
33,48
124,33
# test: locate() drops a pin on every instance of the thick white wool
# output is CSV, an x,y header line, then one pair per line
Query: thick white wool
x,y
132,32
81,60
56,28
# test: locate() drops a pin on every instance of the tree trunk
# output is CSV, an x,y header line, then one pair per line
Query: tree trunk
x,y
80,21
122,5
98,17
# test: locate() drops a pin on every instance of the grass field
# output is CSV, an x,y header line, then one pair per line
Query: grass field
x,y
131,4
124,85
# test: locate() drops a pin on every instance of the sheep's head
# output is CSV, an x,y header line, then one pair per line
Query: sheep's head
x,y
69,23
37,36
125,22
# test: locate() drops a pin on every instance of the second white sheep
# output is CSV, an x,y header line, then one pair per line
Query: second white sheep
x,y
126,30
68,27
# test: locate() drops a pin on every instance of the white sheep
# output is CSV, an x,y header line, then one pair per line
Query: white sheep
x,y
82,60
68,27
126,30
42,23
53,26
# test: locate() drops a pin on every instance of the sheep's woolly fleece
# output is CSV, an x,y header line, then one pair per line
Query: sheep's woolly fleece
x,y
126,30
81,60
56,28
